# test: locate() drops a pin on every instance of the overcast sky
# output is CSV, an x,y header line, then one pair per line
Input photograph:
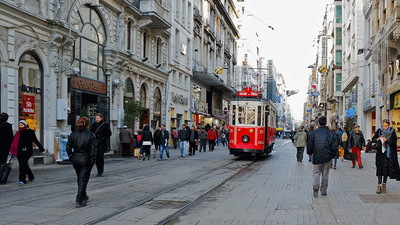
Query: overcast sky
x,y
296,24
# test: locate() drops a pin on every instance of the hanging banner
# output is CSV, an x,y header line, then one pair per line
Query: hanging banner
x,y
314,94
28,104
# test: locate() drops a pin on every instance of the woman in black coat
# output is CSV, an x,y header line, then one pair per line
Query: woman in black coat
x,y
147,137
387,164
22,148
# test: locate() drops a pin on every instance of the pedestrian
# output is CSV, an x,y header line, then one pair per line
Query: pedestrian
x,y
345,144
218,135
83,156
340,133
139,143
183,137
198,140
156,137
147,142
337,154
102,131
223,137
125,140
163,142
309,133
203,139
21,148
193,136
175,137
357,143
386,159
211,137
6,137
323,147
300,141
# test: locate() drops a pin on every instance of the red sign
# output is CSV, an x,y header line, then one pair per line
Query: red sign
x,y
248,92
28,104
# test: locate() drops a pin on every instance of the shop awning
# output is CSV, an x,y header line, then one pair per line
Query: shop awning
x,y
219,117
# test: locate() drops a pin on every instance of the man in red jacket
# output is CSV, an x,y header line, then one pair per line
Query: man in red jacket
x,y
212,136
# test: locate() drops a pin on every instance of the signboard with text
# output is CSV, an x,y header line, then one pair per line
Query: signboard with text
x,y
28,104
88,85
248,92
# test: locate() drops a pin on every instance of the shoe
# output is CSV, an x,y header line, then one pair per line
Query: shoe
x,y
334,167
30,181
331,166
86,198
138,157
183,156
159,159
148,157
168,158
379,189
309,160
144,158
360,167
315,190
21,183
383,188
190,154
323,193
80,204
353,167
100,174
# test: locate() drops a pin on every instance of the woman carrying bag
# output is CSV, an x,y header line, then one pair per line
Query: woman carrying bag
x,y
386,161
147,141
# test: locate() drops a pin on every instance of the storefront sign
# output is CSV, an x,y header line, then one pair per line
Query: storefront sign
x,y
88,85
394,88
28,104
180,99
28,89
248,92
396,103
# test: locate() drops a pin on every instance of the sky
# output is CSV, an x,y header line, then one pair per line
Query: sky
x,y
296,24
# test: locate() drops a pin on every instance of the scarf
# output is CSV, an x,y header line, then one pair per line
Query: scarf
x,y
14,144
387,134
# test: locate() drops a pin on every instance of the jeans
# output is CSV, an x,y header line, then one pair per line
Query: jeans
x,y
357,155
162,148
182,146
83,175
218,139
321,169
203,144
300,153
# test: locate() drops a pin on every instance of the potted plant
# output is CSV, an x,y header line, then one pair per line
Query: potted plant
x,y
133,111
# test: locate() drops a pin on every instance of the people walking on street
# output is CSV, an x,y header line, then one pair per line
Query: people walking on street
x,y
211,137
193,137
337,155
300,141
175,137
156,137
386,159
139,143
125,140
163,142
147,142
22,148
83,142
183,137
345,143
102,131
203,139
357,143
223,137
6,137
310,131
323,147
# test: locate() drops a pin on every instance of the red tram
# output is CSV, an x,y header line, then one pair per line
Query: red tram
x,y
252,129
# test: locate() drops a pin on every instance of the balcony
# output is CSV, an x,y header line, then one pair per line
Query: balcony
x,y
227,51
196,16
154,14
218,112
208,76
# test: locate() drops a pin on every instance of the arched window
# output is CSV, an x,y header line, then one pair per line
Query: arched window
x,y
157,101
89,48
143,97
128,92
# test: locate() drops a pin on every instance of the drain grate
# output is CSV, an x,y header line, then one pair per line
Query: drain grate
x,y
294,207
165,204
380,198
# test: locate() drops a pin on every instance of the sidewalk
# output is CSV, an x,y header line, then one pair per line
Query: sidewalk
x,y
278,191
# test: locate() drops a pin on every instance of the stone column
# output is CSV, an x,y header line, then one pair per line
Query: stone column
x,y
63,79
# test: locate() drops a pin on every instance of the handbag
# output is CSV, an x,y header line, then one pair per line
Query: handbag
x,y
146,143
348,155
341,152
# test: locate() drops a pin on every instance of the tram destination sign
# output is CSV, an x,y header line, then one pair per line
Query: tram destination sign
x,y
248,92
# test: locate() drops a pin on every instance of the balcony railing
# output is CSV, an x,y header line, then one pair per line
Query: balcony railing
x,y
218,112
370,92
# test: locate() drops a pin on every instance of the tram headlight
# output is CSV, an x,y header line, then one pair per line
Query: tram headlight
x,y
245,138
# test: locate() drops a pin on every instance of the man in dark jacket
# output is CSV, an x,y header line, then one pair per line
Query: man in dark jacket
x,y
102,131
163,142
6,137
323,147
309,132
125,140
203,139
193,136
83,157
357,143
183,137
156,138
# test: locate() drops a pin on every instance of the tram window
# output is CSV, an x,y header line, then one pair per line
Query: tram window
x,y
251,115
259,115
233,122
241,115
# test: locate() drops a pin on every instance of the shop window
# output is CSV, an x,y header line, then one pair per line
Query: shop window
x,y
89,48
128,92
157,101
241,115
259,115
30,92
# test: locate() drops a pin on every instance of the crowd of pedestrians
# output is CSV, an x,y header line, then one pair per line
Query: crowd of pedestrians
x,y
325,146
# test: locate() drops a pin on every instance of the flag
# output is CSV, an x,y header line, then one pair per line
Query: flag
x,y
313,86
291,92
